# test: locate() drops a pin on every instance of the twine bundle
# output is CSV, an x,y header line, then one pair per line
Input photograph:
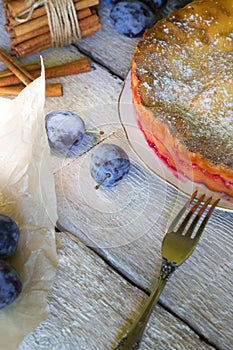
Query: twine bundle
x,y
63,22
35,25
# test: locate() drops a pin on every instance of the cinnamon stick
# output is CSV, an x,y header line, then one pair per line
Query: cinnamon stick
x,y
32,34
81,65
28,67
17,6
75,67
91,31
22,74
26,27
79,5
42,42
20,51
39,26
41,11
25,77
38,43
51,90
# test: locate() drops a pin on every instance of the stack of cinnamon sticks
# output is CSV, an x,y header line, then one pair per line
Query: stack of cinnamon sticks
x,y
33,34
13,80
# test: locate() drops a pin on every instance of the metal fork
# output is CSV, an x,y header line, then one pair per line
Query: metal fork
x,y
178,244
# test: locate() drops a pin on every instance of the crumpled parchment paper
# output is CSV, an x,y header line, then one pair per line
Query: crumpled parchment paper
x,y
27,195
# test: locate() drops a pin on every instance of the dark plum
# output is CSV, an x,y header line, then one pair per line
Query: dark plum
x,y
154,3
131,18
9,236
110,2
10,284
159,3
64,129
109,165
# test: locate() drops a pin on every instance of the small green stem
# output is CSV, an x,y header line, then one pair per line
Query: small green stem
x,y
99,132
102,181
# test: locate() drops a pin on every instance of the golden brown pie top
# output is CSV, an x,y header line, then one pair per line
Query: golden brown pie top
x,y
184,65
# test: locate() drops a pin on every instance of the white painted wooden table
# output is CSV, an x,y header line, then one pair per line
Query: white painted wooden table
x,y
109,263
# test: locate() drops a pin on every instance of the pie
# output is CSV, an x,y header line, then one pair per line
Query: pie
x,y
182,85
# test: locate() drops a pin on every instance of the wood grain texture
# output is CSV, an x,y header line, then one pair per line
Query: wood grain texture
x,y
127,225
4,38
88,309
107,47
128,231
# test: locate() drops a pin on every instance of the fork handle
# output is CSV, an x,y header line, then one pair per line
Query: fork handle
x,y
132,340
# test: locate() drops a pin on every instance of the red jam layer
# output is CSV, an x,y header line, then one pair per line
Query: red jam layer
x,y
197,172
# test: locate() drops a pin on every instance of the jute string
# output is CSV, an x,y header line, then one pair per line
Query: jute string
x,y
26,15
62,20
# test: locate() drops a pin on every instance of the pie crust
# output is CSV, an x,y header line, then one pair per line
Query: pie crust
x,y
182,85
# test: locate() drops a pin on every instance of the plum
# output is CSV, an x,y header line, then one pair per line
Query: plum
x,y
64,129
109,165
110,2
131,18
10,284
9,236
159,3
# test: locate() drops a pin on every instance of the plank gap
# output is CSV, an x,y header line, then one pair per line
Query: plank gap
x,y
73,238
200,335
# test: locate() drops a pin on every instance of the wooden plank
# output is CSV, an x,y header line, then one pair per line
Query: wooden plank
x,y
107,46
127,225
91,307
4,38
140,258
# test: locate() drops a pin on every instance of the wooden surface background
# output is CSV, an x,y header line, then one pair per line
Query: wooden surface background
x,y
110,258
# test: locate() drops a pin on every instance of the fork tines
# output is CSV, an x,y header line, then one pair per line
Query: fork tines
x,y
195,204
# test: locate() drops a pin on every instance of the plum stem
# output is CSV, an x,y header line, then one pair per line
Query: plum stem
x,y
102,181
99,132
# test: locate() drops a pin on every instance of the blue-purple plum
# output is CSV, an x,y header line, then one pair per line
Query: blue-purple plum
x,y
131,18
10,284
110,163
110,2
154,4
64,130
9,236
159,3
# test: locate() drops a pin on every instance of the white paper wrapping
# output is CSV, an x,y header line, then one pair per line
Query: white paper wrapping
x,y
27,195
